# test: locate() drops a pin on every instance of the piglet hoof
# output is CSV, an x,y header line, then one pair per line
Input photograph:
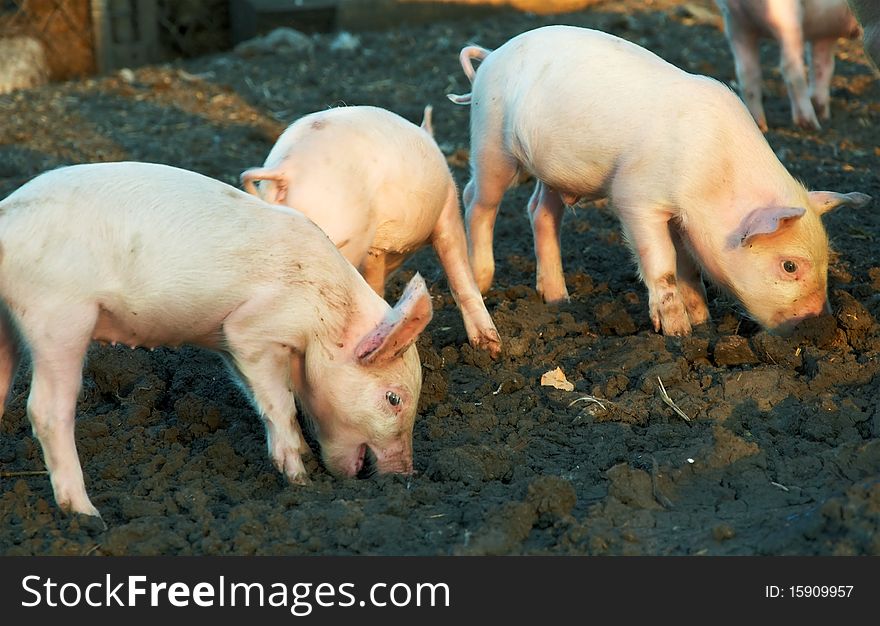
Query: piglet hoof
x,y
556,299
299,479
91,517
671,317
807,121
93,523
552,290
74,501
488,340
822,108
698,313
554,295
677,331
289,463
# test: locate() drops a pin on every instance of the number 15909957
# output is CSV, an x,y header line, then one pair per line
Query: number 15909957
x,y
808,591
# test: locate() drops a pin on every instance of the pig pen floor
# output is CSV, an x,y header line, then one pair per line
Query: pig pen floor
x,y
781,455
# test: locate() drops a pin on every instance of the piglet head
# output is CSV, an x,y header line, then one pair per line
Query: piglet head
x,y
370,408
779,257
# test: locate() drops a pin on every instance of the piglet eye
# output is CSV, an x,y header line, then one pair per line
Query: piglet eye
x,y
393,398
789,266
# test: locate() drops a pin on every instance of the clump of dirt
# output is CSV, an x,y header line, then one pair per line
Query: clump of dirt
x,y
780,454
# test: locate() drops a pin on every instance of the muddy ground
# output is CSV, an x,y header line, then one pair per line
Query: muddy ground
x,y
781,454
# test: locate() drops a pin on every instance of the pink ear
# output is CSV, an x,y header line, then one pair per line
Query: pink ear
x,y
824,201
400,327
277,196
765,222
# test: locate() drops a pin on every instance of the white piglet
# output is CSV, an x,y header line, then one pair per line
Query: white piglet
x,y
380,188
794,24
149,255
691,177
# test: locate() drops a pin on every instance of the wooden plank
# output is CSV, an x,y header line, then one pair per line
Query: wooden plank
x,y
101,34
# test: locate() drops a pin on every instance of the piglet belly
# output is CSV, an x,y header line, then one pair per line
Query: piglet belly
x,y
153,328
576,179
825,19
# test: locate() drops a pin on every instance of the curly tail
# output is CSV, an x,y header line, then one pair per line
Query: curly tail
x,y
466,57
426,120
249,177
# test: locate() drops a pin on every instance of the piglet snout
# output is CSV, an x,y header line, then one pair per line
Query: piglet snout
x,y
396,458
814,305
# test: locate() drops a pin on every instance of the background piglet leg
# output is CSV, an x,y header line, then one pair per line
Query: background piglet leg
x,y
58,347
9,358
374,271
747,60
492,173
264,369
791,41
690,282
545,213
450,244
821,71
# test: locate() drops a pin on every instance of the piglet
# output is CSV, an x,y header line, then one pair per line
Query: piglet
x,y
381,189
149,255
694,182
792,23
868,14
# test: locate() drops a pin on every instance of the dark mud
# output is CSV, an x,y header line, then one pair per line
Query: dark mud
x,y
781,454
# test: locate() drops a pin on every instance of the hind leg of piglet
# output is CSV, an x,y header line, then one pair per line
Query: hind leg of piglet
x,y
58,352
821,71
374,271
690,283
545,214
9,359
795,75
650,237
493,173
748,72
450,244
264,368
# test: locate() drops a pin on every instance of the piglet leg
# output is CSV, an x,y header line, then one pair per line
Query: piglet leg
x,y
450,244
493,172
545,213
690,283
648,232
9,358
264,368
821,71
58,348
374,271
748,70
794,72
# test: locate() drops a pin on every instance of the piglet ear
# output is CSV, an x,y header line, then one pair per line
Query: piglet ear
x,y
764,223
400,327
824,201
